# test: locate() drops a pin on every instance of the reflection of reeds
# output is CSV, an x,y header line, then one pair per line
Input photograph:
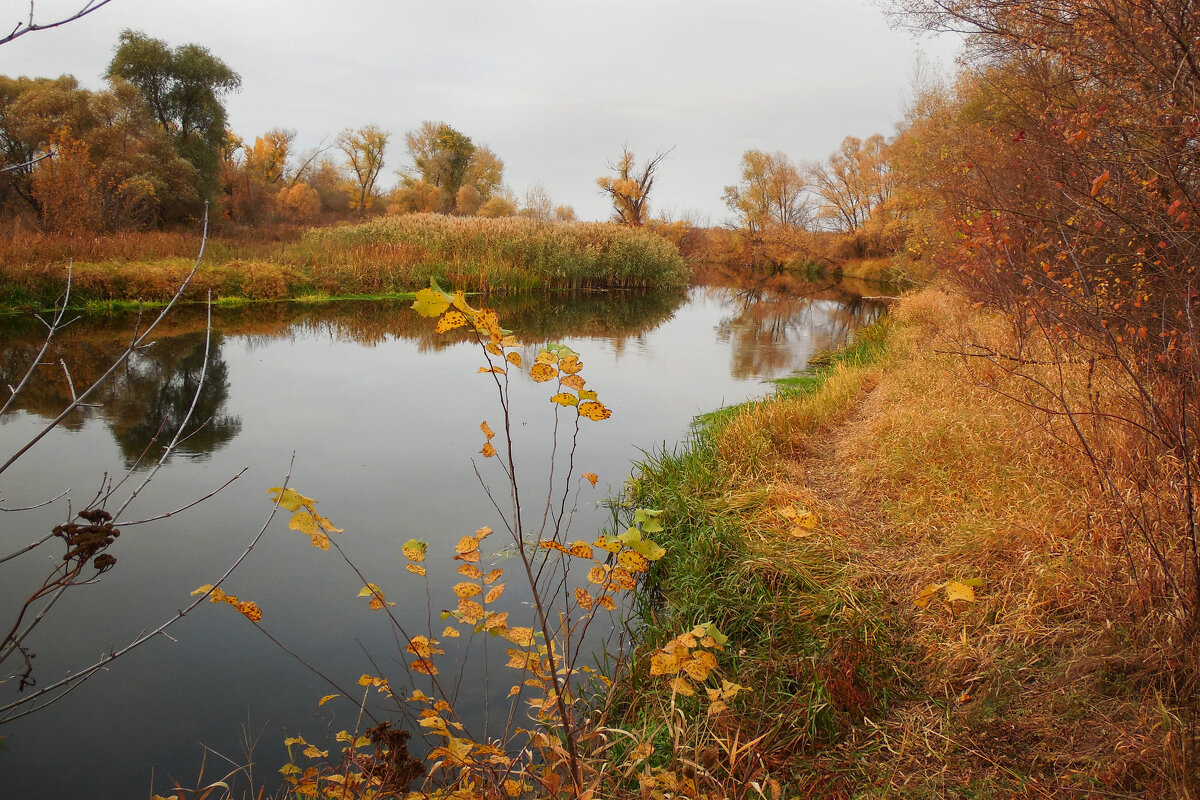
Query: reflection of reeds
x,y
386,256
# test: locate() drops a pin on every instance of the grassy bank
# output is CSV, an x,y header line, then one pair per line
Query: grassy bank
x,y
1051,667
385,257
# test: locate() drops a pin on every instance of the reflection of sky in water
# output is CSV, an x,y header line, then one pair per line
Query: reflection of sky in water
x,y
383,434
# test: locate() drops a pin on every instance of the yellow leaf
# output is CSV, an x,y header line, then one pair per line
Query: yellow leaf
x,y
415,569
495,621
488,322
449,321
470,571
594,411
959,591
488,451
591,477
604,543
289,499
542,372
497,370
587,394
494,593
430,303
424,666
634,562
459,301
470,557
514,359
487,430
450,633
565,399
701,665
471,611
205,588
807,520
414,550
467,589
422,646
681,686
327,698
494,348
717,707
510,341
250,610
1099,182
573,382
606,602
622,579
570,365
312,752
583,598
546,357
926,594
483,533
521,636
492,576
597,574
580,549
466,544
304,522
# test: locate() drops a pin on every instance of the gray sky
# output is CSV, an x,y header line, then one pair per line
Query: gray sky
x,y
554,88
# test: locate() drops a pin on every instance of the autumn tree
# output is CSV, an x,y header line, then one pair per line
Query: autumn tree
x,y
253,174
364,150
772,192
184,87
65,187
32,111
1068,166
629,189
450,173
853,184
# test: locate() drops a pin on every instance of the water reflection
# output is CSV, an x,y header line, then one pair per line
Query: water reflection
x,y
770,322
776,320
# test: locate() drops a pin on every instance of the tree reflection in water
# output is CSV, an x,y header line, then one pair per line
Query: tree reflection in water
x,y
145,401
773,325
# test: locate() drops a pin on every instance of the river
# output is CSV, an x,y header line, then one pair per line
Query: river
x,y
375,416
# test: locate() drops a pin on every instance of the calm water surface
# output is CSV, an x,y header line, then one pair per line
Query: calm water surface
x,y
378,419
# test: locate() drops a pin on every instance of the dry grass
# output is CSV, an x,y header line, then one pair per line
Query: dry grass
x,y
1070,675
1062,678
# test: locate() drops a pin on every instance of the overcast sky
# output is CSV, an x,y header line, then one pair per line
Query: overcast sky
x,y
554,88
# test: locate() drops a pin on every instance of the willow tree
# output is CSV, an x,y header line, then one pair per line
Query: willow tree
x,y
184,87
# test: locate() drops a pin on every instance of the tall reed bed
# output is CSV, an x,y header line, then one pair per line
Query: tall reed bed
x,y
385,256
501,254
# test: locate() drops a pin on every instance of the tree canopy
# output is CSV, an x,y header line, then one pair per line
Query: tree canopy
x,y
184,87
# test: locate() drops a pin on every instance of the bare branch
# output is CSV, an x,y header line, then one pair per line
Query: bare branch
x,y
29,26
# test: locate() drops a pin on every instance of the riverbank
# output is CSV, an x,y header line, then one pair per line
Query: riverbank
x,y
958,617
386,257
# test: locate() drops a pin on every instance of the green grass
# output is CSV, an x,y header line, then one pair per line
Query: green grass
x,y
818,655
